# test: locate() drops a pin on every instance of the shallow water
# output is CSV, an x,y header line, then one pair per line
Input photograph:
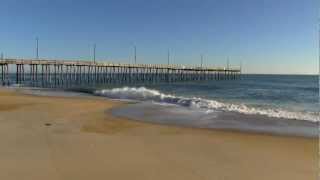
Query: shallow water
x,y
189,117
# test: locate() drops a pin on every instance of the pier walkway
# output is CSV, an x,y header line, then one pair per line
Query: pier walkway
x,y
62,73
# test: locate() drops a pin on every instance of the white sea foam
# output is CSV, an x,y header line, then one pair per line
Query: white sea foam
x,y
144,94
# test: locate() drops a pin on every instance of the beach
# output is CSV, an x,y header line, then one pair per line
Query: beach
x,y
66,138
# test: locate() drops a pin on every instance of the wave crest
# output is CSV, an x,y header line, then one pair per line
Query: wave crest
x,y
144,94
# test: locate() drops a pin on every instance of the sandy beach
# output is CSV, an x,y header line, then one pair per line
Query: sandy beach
x,y
77,138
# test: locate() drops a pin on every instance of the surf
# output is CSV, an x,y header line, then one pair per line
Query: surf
x,y
145,94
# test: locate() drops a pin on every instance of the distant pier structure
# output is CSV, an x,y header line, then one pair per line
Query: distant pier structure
x,y
62,73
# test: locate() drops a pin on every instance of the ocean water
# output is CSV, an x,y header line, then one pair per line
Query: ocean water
x,y
277,104
280,96
281,104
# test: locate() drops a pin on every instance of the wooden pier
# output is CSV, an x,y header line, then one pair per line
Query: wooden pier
x,y
61,73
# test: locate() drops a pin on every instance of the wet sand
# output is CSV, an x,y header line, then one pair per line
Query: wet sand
x,y
66,138
190,117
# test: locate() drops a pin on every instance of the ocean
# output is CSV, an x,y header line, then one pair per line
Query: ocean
x,y
280,104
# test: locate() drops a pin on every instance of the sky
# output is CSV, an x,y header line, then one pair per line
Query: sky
x,y
266,36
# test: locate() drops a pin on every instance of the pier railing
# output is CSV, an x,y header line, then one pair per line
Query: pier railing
x,y
62,73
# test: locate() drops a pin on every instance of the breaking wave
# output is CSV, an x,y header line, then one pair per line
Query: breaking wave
x,y
144,94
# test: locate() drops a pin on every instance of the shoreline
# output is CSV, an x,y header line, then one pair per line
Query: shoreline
x,y
225,121
78,138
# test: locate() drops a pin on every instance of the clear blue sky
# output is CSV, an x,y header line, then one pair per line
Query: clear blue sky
x,y
269,36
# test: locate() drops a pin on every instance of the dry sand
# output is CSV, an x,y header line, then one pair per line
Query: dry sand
x,y
52,138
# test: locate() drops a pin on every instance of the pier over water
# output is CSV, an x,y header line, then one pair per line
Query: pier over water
x,y
62,73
